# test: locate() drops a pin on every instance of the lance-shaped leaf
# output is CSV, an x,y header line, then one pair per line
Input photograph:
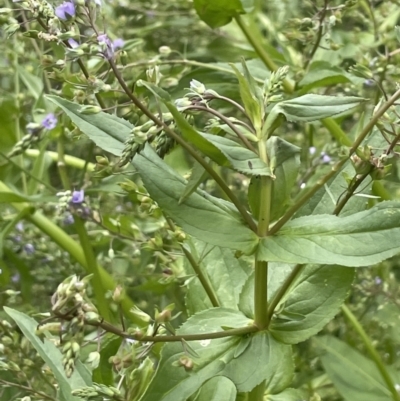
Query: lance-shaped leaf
x,y
217,389
204,217
224,151
310,108
218,13
246,361
107,131
225,273
361,239
356,377
251,96
314,299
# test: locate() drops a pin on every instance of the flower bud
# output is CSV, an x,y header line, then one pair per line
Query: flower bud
x,y
89,109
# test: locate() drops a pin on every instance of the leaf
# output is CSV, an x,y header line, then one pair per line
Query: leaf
x,y
360,239
198,176
108,131
313,301
104,372
225,273
355,376
217,389
289,394
200,215
322,73
277,275
239,158
218,13
33,83
250,95
310,107
154,89
49,353
321,202
263,359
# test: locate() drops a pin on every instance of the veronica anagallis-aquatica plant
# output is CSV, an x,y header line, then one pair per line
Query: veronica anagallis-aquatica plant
x,y
238,336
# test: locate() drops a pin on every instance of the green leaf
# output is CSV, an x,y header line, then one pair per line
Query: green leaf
x,y
108,131
239,158
262,359
250,95
355,376
217,389
225,273
155,90
203,216
323,73
198,176
315,298
310,107
321,202
277,275
289,394
33,83
315,107
285,161
360,239
104,372
49,353
218,13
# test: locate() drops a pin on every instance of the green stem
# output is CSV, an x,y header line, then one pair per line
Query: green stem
x,y
172,338
69,160
257,394
64,241
303,199
372,352
241,209
334,129
261,267
261,294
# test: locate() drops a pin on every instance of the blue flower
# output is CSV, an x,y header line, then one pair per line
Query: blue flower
x,y
325,158
65,10
73,43
106,45
118,43
49,122
78,196
29,249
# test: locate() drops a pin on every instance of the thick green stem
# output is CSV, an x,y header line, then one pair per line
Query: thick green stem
x,y
372,352
261,267
71,161
261,294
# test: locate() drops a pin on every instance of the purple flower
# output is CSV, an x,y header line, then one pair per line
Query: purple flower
x,y
378,280
15,278
118,43
107,45
78,196
65,10
73,43
20,226
49,122
325,158
312,150
29,249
